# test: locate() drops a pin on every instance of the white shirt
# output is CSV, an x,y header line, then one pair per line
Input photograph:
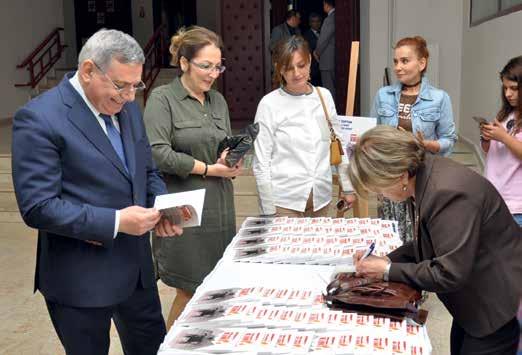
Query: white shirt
x,y
75,82
292,150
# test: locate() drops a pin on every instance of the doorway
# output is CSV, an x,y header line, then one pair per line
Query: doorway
x,y
174,15
92,15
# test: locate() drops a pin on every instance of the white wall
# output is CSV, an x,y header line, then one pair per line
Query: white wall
x,y
375,49
486,50
23,24
439,22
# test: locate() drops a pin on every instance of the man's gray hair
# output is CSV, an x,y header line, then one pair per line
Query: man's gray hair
x,y
105,45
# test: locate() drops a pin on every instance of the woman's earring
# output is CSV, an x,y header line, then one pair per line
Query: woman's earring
x,y
404,187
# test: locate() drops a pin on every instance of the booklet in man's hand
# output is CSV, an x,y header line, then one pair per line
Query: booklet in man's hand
x,y
183,208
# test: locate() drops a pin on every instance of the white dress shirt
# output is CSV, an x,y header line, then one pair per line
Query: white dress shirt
x,y
292,150
75,82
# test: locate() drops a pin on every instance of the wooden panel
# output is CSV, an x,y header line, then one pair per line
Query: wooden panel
x,y
347,30
243,81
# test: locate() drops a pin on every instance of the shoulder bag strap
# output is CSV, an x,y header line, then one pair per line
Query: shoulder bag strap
x,y
327,117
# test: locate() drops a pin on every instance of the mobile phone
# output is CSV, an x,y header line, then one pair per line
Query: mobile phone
x,y
480,120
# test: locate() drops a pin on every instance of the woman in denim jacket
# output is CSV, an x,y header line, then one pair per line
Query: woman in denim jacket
x,y
414,105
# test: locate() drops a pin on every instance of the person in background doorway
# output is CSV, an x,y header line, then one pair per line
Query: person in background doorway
x,y
287,29
413,105
325,49
185,122
311,36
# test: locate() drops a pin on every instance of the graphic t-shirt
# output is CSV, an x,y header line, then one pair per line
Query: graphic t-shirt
x,y
404,111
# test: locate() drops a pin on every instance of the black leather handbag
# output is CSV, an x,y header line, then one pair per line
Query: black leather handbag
x,y
238,145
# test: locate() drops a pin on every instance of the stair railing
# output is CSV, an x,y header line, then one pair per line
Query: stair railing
x,y
154,54
42,58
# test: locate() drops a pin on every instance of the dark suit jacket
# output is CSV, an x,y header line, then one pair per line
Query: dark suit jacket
x,y
326,43
468,247
314,68
69,182
279,33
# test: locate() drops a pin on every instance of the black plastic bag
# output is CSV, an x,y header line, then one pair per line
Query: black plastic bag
x,y
238,145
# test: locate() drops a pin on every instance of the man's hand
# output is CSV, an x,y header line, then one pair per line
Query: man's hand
x,y
166,229
372,266
136,220
316,55
494,131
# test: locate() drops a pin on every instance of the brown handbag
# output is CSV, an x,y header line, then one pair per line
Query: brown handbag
x,y
336,148
394,300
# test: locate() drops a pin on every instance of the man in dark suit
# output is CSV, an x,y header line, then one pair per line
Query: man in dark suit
x,y
325,50
287,29
311,36
84,177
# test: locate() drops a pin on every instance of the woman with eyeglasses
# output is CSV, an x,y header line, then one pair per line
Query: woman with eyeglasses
x,y
292,150
466,247
185,122
501,140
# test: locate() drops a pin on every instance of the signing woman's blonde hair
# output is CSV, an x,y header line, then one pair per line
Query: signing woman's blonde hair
x,y
466,246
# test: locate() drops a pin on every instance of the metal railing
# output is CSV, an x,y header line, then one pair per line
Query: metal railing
x,y
42,58
154,54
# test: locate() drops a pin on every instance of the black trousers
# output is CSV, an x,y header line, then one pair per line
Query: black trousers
x,y
85,331
503,342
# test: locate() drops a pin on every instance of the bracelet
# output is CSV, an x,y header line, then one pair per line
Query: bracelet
x,y
205,172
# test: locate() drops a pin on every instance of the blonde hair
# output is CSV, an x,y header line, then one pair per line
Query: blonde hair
x,y
283,53
187,42
382,156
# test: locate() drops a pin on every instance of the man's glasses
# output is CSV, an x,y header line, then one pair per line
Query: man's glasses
x,y
125,88
209,68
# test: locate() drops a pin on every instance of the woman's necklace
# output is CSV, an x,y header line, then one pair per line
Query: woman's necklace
x,y
411,87
308,91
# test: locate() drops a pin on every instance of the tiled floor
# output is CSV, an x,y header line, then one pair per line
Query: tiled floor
x,y
24,321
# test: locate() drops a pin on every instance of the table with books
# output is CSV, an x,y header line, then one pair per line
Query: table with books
x,y
266,295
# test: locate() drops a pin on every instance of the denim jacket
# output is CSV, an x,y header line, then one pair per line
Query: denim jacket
x,y
431,113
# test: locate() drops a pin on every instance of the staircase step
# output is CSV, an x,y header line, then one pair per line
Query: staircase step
x,y
6,182
8,202
167,73
161,81
460,147
246,206
5,164
245,185
10,217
